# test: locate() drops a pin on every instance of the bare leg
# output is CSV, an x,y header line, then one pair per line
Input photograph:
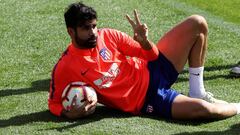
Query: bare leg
x,y
186,41
184,107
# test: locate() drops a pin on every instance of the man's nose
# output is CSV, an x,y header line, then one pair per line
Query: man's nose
x,y
91,32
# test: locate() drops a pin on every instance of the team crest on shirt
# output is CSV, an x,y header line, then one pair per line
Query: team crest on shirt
x,y
105,54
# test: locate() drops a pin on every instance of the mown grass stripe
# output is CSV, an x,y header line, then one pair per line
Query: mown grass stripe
x,y
212,19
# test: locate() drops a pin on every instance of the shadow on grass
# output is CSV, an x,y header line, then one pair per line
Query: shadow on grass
x,y
45,116
40,85
210,69
102,112
233,130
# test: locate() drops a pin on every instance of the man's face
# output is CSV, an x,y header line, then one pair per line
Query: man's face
x,y
86,35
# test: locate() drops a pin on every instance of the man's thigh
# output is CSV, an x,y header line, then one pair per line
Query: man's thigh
x,y
177,43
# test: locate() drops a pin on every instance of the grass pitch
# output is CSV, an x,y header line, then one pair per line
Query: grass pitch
x,y
33,36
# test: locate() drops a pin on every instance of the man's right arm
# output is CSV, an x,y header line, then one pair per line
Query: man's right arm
x,y
79,112
60,79
74,113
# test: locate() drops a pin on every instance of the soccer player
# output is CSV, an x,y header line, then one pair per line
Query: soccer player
x,y
133,74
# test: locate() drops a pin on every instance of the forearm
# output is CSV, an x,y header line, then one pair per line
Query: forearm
x,y
147,44
79,112
150,51
71,115
64,113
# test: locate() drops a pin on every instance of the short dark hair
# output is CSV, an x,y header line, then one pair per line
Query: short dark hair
x,y
77,14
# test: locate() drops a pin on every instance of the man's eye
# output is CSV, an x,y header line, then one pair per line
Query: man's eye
x,y
86,27
89,27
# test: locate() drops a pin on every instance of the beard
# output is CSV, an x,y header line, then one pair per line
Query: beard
x,y
86,44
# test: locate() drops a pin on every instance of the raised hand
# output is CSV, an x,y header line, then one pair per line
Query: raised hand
x,y
140,30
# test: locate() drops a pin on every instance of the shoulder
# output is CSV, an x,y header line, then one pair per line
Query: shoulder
x,y
112,34
63,63
110,31
107,30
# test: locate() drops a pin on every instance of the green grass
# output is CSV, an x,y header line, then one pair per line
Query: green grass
x,y
33,36
229,11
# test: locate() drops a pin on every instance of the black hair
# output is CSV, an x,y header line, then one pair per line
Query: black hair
x,y
77,14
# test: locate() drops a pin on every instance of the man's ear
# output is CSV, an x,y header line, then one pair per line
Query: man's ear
x,y
71,32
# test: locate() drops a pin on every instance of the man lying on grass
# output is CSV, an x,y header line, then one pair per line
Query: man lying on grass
x,y
133,74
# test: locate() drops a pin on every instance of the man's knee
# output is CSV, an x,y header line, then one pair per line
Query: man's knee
x,y
199,22
193,108
206,110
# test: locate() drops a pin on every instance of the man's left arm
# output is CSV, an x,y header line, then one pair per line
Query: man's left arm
x,y
141,36
149,49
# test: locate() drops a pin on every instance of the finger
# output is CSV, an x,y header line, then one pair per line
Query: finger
x,y
77,107
88,106
88,103
137,17
91,103
84,105
130,21
88,99
145,26
91,110
94,102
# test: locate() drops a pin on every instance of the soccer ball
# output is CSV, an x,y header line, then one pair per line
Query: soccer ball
x,y
78,90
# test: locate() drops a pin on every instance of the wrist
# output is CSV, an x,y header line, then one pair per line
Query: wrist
x,y
64,113
146,44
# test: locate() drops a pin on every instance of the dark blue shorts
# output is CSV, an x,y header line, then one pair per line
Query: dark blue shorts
x,y
160,96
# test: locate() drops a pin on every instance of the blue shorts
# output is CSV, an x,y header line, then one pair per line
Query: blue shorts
x,y
159,97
